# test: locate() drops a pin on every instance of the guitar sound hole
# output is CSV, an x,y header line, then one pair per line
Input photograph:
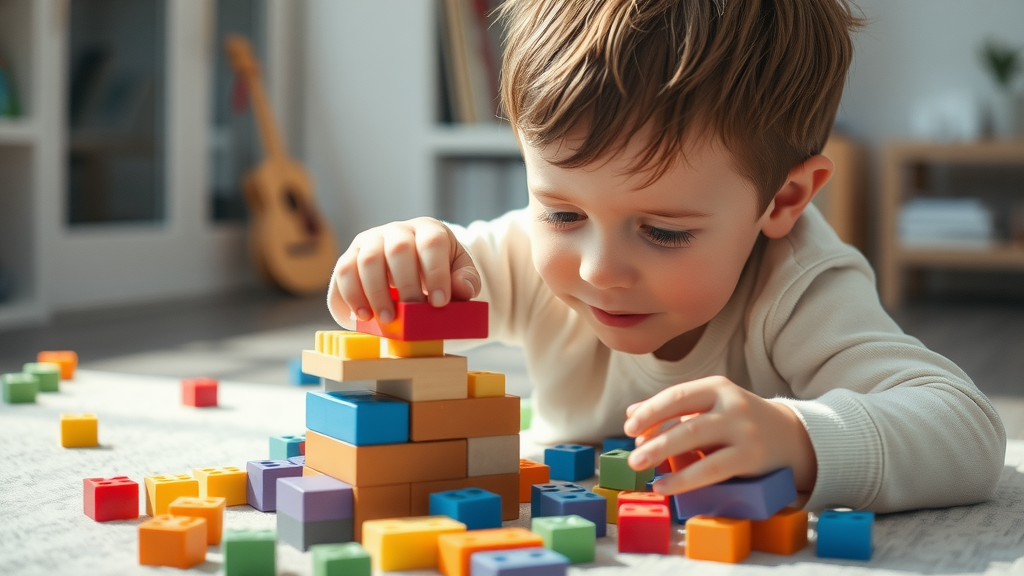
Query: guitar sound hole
x,y
291,200
309,220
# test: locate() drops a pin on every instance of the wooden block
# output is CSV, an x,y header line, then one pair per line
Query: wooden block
x,y
412,379
407,543
418,349
489,455
377,502
454,549
504,485
421,321
717,539
531,473
463,418
347,344
482,384
384,464
784,533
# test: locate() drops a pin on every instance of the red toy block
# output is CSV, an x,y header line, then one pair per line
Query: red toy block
x,y
114,498
679,461
199,392
663,469
643,498
644,528
421,321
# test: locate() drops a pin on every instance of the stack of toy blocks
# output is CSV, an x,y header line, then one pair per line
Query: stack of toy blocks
x,y
313,510
413,421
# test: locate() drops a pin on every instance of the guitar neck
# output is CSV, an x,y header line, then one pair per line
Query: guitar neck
x,y
269,134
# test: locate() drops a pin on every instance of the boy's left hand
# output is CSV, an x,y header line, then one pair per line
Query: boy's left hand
x,y
741,433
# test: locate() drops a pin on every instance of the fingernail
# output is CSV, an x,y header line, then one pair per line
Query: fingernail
x,y
437,298
386,317
363,314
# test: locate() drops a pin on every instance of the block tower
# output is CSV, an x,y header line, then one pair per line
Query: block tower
x,y
402,424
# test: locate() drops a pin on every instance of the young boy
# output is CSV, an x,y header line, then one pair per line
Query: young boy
x,y
670,278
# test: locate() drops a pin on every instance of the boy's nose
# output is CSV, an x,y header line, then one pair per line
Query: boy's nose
x,y
604,266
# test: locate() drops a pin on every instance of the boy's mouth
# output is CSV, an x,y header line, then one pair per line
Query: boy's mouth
x,y
617,320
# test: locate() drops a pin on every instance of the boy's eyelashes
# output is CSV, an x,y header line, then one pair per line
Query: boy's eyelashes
x,y
560,219
659,236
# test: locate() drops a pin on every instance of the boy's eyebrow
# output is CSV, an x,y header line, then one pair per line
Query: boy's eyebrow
x,y
679,214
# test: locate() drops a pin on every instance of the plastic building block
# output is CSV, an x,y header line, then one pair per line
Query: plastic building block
x,y
463,418
485,384
663,468
114,498
407,543
262,475
677,462
285,447
476,508
531,473
784,533
347,344
489,455
379,502
48,374
591,506
644,528
301,535
417,349
300,460
383,464
314,498
572,462
228,483
845,534
611,496
175,541
618,443
717,539
297,377
504,485
199,392
249,552
573,536
421,321
455,549
67,359
753,498
79,431
212,509
20,388
348,559
163,489
615,472
360,417
633,497
525,414
551,488
411,379
521,562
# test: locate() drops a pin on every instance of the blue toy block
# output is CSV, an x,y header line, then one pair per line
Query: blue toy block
x,y
537,489
519,562
285,447
845,534
571,462
261,482
359,417
297,377
752,498
618,443
300,460
475,508
591,506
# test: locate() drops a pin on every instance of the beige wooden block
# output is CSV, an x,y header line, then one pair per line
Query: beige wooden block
x,y
412,379
492,455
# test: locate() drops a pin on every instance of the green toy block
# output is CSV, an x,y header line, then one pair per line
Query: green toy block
x,y
348,559
614,472
572,536
525,413
48,374
249,552
20,388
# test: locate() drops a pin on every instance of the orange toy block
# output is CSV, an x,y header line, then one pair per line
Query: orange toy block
x,y
229,483
455,549
411,379
407,543
463,418
633,497
717,539
378,502
485,384
212,509
347,344
677,462
784,533
179,542
490,455
383,464
611,496
67,359
531,473
417,349
307,471
504,485
163,489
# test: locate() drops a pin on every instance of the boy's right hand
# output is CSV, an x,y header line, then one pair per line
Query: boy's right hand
x,y
419,257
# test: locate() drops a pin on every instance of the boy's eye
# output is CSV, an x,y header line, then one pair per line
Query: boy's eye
x,y
670,238
560,219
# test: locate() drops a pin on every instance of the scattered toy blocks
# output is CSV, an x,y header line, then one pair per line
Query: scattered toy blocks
x,y
591,506
411,379
175,541
285,447
300,460
48,374
611,496
784,533
348,559
249,552
463,418
114,498
229,483
531,473
752,498
163,489
488,455
455,549
422,321
572,536
615,472
362,418
504,485
212,509
633,497
571,462
845,534
20,388
522,562
618,443
476,508
484,384
67,359
717,539
297,377
407,543
199,392
262,476
644,528
345,344
383,464
417,349
554,487
79,431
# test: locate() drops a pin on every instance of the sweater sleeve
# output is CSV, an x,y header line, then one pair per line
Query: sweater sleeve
x,y
894,425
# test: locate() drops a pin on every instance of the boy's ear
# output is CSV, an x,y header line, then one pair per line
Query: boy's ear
x,y
789,203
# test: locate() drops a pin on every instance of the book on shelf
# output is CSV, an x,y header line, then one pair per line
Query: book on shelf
x,y
470,60
948,223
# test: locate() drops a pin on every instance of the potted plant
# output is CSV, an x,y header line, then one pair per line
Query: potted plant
x,y
1007,110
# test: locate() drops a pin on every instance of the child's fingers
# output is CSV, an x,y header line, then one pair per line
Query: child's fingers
x,y
465,280
678,400
403,263
433,250
717,467
371,267
336,304
349,289
693,434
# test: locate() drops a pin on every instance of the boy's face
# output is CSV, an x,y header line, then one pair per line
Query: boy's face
x,y
643,265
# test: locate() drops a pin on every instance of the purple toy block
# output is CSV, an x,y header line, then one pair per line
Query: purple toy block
x,y
314,498
261,491
537,489
591,506
519,562
300,460
752,498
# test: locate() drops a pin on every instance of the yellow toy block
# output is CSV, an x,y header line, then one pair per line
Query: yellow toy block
x,y
167,540
212,509
717,539
454,550
345,344
162,489
79,430
406,543
612,497
228,482
483,384
417,349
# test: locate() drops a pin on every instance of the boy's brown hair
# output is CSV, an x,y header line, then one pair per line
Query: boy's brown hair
x,y
764,76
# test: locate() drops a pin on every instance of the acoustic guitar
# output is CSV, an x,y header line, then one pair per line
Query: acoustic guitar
x,y
290,243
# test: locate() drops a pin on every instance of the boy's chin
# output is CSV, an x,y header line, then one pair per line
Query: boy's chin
x,y
628,345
